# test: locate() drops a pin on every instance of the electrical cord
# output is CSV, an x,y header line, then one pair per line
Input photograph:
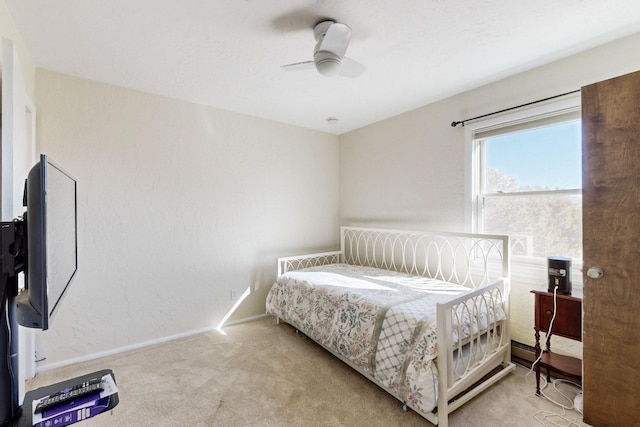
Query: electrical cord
x,y
548,334
4,312
544,416
555,383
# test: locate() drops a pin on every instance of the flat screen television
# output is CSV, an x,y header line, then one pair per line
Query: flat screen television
x,y
51,243
43,245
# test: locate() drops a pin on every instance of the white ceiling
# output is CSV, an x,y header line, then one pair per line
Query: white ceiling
x,y
228,53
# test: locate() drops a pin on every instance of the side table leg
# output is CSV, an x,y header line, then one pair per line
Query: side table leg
x,y
537,364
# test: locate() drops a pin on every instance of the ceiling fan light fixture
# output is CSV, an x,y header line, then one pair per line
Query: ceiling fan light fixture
x,y
327,63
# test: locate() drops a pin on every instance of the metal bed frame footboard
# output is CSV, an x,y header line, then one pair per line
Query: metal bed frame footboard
x,y
478,261
299,262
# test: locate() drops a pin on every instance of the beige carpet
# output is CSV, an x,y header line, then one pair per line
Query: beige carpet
x,y
264,374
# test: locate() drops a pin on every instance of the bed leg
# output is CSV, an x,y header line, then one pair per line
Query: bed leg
x,y
443,411
443,420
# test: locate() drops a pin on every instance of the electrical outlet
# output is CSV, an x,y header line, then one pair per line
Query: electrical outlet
x,y
234,294
38,358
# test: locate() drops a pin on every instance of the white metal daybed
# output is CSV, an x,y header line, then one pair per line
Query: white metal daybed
x,y
423,315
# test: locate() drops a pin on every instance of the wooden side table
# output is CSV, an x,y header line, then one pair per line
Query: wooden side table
x,y
567,323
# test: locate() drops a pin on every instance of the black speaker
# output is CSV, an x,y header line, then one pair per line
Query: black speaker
x,y
559,269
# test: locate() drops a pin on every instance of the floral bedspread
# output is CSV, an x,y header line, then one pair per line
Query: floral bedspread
x,y
383,322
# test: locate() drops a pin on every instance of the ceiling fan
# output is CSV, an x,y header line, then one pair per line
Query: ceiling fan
x,y
332,40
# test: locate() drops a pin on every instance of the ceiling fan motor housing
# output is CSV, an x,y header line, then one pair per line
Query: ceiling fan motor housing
x,y
320,29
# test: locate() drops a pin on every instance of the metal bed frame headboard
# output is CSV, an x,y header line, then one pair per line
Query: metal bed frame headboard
x,y
468,259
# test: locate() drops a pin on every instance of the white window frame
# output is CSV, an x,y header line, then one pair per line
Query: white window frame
x,y
532,271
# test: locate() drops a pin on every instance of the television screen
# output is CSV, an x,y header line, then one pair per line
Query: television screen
x,y
52,249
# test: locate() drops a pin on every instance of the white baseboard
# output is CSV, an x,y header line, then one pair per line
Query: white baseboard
x,y
118,350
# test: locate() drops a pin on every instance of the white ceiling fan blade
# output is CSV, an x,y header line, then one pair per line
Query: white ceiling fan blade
x,y
351,68
336,39
305,65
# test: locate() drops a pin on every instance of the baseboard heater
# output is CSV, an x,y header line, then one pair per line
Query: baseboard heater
x,y
522,354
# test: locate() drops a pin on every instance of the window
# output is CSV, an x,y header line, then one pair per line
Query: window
x,y
527,181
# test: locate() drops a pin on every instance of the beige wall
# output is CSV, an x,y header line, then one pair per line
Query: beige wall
x,y
411,170
9,31
178,204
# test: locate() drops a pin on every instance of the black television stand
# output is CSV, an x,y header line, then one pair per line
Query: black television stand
x,y
9,392
12,262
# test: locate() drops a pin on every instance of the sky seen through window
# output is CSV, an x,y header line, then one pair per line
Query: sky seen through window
x,y
547,157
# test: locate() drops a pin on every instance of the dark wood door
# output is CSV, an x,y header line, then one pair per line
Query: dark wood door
x,y
611,241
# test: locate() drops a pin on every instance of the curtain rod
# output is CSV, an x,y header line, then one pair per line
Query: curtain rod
x,y
462,122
